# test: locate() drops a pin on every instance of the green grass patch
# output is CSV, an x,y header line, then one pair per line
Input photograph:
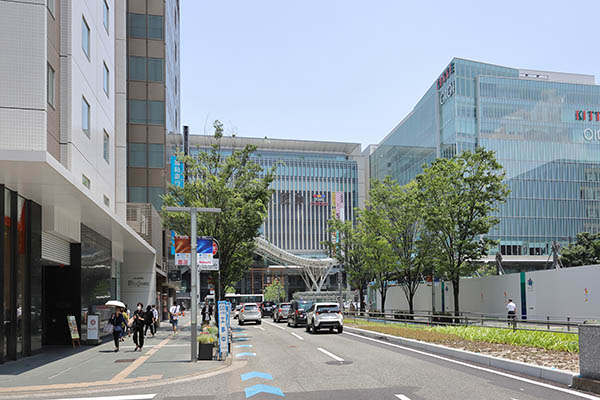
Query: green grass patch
x,y
440,334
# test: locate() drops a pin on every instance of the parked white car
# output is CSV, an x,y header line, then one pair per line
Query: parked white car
x,y
236,312
324,316
249,313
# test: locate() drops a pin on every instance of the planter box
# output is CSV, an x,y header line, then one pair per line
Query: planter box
x,y
205,351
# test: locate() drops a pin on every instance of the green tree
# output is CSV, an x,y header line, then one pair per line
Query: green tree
x,y
402,225
459,197
275,291
239,187
585,251
377,255
229,289
346,246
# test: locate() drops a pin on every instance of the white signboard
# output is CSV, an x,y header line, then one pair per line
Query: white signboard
x,y
223,334
210,267
92,327
205,259
183,258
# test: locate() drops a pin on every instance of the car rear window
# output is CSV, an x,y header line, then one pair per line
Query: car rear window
x,y
268,304
286,305
328,309
304,306
250,307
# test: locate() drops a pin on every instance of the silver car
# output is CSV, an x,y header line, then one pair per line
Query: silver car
x,y
236,312
249,313
282,312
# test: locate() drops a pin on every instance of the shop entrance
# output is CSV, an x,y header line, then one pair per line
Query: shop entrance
x,y
61,297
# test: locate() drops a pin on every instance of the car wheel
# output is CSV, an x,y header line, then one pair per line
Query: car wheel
x,y
258,322
340,329
240,322
288,323
331,329
307,328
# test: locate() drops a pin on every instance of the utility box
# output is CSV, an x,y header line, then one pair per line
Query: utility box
x,y
589,351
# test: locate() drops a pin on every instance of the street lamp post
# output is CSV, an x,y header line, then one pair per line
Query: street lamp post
x,y
194,268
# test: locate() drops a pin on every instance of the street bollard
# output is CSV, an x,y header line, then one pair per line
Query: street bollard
x,y
568,324
548,322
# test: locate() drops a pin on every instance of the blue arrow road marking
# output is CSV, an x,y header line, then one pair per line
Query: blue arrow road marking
x,y
255,374
242,345
242,339
256,389
245,355
241,334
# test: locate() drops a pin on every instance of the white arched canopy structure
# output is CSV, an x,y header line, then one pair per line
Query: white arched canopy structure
x,y
314,270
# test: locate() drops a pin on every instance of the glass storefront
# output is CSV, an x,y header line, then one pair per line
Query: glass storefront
x,y
20,274
545,132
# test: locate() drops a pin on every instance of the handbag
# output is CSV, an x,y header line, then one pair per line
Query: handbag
x,y
109,328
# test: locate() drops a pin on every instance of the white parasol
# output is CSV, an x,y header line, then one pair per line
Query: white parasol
x,y
114,303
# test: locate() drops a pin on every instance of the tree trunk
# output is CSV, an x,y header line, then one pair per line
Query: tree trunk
x,y
361,300
383,292
411,305
455,289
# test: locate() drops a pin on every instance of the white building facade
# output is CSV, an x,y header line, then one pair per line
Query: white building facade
x,y
62,157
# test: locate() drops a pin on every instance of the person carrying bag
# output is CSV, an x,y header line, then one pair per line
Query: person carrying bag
x,y
116,321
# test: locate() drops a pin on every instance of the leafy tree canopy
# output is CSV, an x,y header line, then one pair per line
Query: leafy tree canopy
x,y
275,291
585,251
239,187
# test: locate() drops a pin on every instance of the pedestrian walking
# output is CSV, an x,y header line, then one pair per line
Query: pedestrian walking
x,y
511,307
149,321
156,321
138,327
117,320
174,313
127,316
205,314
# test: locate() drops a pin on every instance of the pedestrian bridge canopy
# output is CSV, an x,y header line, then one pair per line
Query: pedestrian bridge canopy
x,y
314,271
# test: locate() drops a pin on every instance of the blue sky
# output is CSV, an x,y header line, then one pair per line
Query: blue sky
x,y
346,70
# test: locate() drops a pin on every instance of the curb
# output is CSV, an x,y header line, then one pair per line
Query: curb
x,y
589,385
532,370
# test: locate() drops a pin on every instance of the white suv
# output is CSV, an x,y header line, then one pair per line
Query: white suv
x,y
324,315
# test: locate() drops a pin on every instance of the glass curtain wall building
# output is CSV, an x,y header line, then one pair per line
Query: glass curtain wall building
x,y
545,130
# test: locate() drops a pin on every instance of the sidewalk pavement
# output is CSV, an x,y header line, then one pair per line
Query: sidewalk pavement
x,y
62,368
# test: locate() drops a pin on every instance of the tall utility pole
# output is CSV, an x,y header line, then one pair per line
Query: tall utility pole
x,y
194,269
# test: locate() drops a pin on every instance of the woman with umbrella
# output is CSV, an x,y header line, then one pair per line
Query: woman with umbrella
x,y
117,320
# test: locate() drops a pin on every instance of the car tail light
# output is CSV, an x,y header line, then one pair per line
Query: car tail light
x,y
296,312
279,310
318,312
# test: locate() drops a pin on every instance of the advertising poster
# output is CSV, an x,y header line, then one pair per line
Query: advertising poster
x,y
73,327
92,327
222,324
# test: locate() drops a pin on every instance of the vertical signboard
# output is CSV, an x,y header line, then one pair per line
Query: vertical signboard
x,y
223,331
177,179
92,328
337,199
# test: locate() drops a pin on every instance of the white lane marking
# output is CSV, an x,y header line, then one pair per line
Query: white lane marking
x,y
60,373
128,397
259,327
401,397
298,336
504,374
276,326
336,358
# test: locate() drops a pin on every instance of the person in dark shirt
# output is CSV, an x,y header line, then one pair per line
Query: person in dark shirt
x,y
149,321
138,327
118,321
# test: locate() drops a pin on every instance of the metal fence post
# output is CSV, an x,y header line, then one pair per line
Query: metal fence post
x,y
568,324
548,322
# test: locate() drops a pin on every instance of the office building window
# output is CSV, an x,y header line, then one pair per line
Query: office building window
x,y
106,147
155,69
86,181
85,37
137,111
105,80
175,85
136,194
155,155
50,87
154,197
51,7
136,25
156,112
105,14
106,201
155,27
175,52
137,68
137,155
85,116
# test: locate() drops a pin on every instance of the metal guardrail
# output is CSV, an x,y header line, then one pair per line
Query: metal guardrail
x,y
430,319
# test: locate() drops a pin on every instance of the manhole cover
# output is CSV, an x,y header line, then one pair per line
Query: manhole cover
x,y
338,362
125,360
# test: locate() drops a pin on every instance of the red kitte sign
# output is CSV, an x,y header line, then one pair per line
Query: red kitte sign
x,y
581,115
445,75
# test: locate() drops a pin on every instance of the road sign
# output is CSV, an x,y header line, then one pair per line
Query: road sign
x,y
222,324
210,267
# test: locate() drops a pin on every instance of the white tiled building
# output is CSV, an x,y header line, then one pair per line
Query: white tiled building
x,y
62,171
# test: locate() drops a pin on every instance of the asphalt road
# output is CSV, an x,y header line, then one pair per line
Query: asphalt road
x,y
345,366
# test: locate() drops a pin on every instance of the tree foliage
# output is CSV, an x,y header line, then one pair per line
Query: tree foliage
x,y
346,246
275,291
239,187
459,198
585,250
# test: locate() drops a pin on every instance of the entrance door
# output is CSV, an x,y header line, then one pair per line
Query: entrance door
x,y
61,297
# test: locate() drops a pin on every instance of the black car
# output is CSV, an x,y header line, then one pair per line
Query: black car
x,y
297,315
267,308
